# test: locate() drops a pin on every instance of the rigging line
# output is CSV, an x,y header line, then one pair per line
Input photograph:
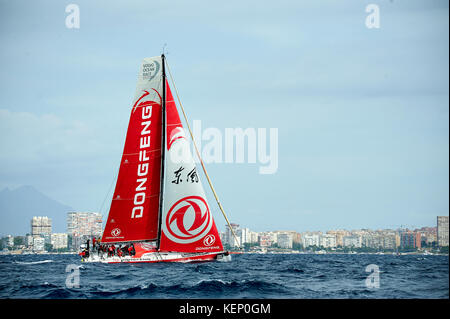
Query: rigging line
x,y
200,158
107,196
109,191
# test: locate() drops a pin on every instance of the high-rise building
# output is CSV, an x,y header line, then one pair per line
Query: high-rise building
x,y
327,241
29,241
59,240
244,235
311,240
253,237
265,240
353,241
442,231
41,226
284,240
10,241
409,239
38,243
389,241
83,225
229,238
340,234
296,237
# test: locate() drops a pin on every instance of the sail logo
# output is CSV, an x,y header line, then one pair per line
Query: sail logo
x,y
188,220
150,70
116,232
144,146
209,240
176,134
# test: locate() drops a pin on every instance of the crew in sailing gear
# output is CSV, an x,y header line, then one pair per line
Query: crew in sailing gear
x,y
84,254
131,250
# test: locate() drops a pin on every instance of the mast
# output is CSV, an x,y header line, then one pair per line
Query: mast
x,y
163,146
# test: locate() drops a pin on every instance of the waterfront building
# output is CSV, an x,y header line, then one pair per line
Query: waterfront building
x,y
284,240
310,239
59,240
340,234
410,239
10,241
29,241
229,238
253,237
442,231
38,244
328,241
82,226
41,226
389,241
352,241
244,235
265,240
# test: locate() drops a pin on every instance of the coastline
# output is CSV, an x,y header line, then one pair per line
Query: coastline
x,y
2,253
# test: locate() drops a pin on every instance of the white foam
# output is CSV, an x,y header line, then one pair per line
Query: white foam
x,y
33,262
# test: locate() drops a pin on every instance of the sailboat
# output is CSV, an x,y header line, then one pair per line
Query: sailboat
x,y
159,204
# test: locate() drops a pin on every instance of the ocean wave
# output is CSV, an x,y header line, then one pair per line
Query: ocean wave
x,y
248,276
44,285
293,269
219,285
211,287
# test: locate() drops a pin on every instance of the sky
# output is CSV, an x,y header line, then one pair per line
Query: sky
x,y
362,113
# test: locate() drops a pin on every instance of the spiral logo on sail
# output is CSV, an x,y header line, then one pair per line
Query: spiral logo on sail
x,y
176,134
188,220
116,232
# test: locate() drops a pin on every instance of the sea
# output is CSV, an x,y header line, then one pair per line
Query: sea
x,y
260,276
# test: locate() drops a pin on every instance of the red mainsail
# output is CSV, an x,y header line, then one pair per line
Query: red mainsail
x,y
133,214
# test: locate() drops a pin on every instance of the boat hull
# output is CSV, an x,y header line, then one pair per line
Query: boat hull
x,y
154,257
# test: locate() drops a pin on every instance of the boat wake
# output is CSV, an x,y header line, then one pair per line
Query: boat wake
x,y
33,262
225,259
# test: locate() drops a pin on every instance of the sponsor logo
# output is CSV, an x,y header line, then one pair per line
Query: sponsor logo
x,y
146,106
116,232
147,246
176,134
209,240
188,220
150,70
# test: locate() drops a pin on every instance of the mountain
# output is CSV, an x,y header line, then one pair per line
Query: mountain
x,y
18,206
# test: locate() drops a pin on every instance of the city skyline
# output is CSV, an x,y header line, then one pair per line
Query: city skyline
x,y
220,222
89,224
221,225
83,226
